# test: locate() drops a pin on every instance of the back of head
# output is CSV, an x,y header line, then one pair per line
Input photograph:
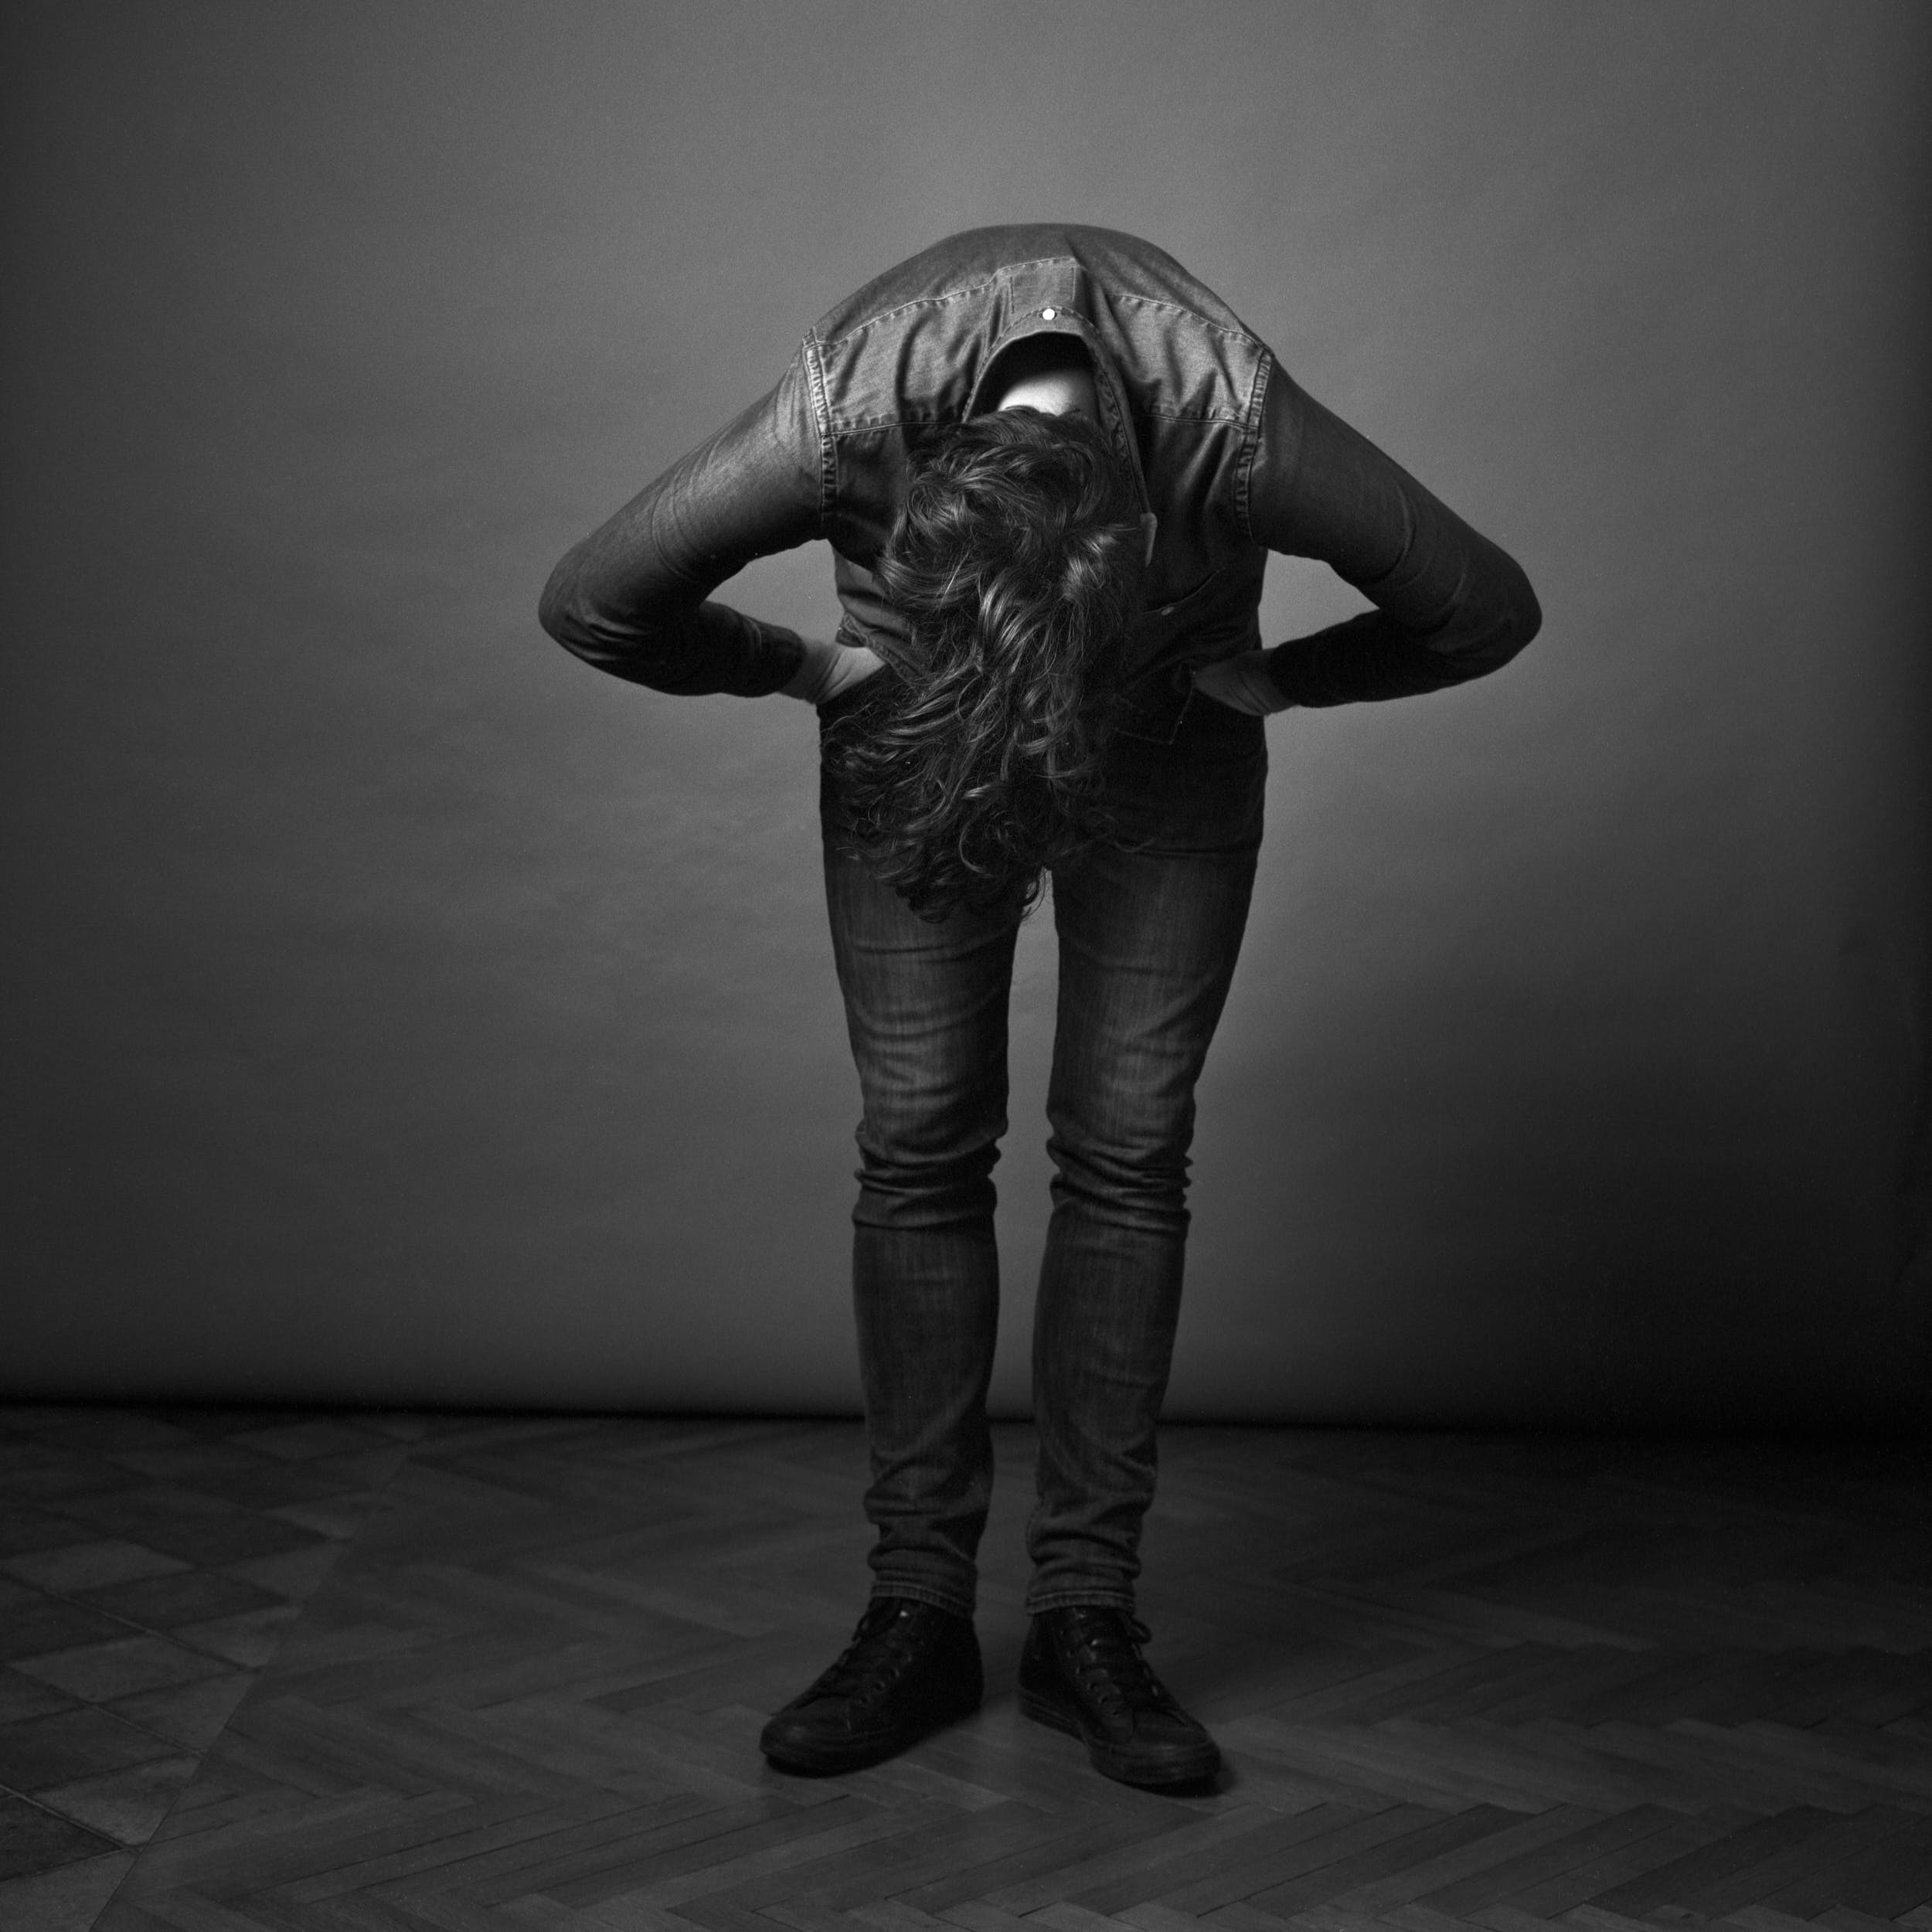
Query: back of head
x,y
1016,564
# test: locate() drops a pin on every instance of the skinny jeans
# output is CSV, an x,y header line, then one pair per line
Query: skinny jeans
x,y
1149,925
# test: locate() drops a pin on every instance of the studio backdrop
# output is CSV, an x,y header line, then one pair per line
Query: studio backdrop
x,y
396,1011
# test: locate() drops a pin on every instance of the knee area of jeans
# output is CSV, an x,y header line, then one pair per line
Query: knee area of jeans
x,y
902,1170
1124,1140
1151,1177
914,1129
962,1157
928,1200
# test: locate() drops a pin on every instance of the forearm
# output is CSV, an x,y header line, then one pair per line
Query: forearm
x,y
1451,605
1373,656
683,651
632,597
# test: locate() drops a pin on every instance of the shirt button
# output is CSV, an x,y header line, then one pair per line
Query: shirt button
x,y
1047,315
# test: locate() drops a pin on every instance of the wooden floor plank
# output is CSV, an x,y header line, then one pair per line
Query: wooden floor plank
x,y
1061,1844
1185,1839
1169,1866
1675,1883
1431,1839
1896,1878
1819,1885
1313,1851
484,1839
1525,1852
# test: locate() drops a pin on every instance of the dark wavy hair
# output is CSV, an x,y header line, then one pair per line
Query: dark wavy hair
x,y
1016,564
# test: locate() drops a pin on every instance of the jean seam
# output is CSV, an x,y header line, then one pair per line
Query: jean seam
x,y
1077,1599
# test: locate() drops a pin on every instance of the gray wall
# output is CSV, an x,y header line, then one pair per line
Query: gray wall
x,y
396,1010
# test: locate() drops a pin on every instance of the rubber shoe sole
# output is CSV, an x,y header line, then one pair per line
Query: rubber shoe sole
x,y
1194,1765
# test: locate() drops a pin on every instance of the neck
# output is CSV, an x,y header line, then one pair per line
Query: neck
x,y
1061,391
1052,374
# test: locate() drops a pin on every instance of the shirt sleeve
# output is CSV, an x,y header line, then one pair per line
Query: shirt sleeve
x,y
631,598
1450,605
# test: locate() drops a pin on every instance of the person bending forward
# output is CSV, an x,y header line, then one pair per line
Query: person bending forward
x,y
1050,465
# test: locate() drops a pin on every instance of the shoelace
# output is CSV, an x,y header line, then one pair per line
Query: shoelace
x,y
881,1647
1107,1656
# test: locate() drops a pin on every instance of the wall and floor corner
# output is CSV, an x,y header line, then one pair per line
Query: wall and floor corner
x,y
396,1012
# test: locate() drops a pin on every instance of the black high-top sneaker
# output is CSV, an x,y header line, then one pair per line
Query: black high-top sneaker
x,y
909,1669
1082,1672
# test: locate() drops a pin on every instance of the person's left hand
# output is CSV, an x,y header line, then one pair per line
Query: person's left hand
x,y
1242,683
827,669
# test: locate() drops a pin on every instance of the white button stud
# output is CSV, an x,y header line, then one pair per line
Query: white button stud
x,y
1047,315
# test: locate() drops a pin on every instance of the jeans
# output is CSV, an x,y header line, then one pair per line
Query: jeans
x,y
1149,926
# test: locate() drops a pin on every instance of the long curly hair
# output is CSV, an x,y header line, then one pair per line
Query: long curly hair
x,y
1015,564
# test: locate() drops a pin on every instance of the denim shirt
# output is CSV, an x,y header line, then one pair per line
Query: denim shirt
x,y
1233,458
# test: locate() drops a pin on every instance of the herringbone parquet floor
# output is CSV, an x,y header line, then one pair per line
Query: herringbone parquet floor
x,y
384,1674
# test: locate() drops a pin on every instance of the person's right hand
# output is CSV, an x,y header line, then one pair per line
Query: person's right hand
x,y
829,669
1242,683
